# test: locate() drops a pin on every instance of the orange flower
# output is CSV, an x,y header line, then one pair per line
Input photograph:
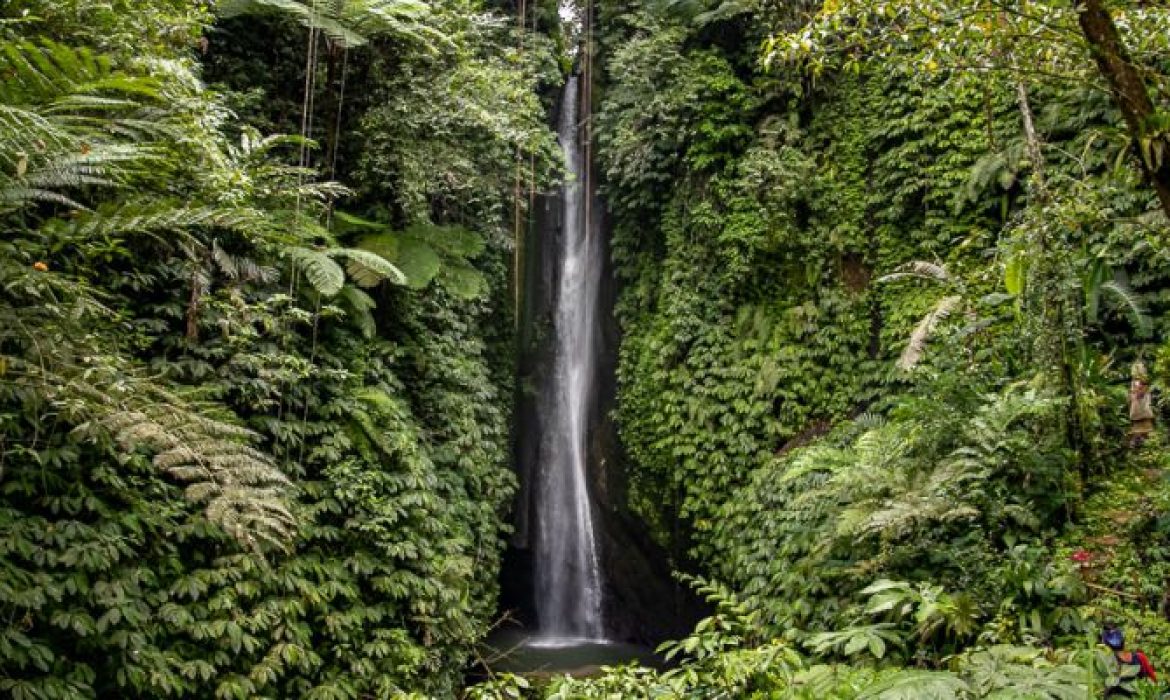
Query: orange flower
x,y
40,266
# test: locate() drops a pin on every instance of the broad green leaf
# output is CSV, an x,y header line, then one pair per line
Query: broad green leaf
x,y
368,269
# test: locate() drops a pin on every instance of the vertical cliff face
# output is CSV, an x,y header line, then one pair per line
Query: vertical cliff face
x,y
643,602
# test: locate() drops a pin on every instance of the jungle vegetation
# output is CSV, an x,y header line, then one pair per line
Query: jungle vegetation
x,y
886,268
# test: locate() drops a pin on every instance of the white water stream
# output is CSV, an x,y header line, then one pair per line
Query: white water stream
x,y
568,573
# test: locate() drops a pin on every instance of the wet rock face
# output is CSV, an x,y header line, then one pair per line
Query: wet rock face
x,y
643,602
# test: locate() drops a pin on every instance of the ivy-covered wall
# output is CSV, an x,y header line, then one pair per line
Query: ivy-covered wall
x,y
752,223
764,222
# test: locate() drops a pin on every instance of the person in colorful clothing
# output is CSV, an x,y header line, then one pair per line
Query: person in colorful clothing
x,y
1132,665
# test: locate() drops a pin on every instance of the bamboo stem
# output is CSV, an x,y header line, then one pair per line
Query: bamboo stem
x,y
1113,591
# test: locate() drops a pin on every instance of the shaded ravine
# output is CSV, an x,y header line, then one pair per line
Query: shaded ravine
x,y
568,580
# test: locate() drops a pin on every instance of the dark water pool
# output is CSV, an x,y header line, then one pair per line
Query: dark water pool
x,y
518,652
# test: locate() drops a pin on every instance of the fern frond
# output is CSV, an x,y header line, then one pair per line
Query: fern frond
x,y
241,488
310,17
1128,300
1000,168
417,260
870,421
257,147
237,483
68,121
102,166
240,269
916,346
71,104
325,275
405,20
39,72
14,197
359,305
919,269
455,241
134,218
702,12
368,269
463,281
25,132
34,70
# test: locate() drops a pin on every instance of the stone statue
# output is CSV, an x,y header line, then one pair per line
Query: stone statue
x,y
1141,414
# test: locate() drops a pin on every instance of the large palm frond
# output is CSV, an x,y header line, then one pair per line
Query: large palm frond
x,y
347,23
325,274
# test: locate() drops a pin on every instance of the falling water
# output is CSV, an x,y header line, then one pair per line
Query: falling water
x,y
568,576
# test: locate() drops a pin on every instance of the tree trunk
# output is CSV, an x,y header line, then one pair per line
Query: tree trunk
x,y
1129,91
1032,139
197,289
1054,334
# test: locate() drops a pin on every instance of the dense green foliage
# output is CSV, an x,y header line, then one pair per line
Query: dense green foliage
x,y
886,269
254,446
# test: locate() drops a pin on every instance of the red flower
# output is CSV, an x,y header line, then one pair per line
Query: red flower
x,y
1081,556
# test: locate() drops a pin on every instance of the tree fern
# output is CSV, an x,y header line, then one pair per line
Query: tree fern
x,y
67,121
317,16
327,277
403,19
424,253
418,261
347,23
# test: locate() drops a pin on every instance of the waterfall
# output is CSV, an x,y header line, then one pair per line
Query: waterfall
x,y
568,574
